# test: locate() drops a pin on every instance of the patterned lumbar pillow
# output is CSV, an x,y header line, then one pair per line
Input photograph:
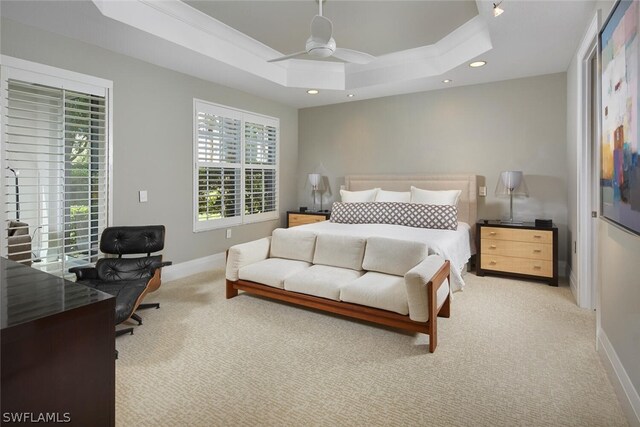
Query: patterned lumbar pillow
x,y
442,217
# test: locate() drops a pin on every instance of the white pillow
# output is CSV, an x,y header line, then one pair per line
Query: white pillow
x,y
359,196
429,197
393,196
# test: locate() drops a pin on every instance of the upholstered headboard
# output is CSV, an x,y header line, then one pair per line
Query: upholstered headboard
x,y
467,204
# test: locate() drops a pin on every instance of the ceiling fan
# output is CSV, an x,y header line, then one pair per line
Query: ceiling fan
x,y
321,45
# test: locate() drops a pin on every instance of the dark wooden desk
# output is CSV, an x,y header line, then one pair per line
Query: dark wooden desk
x,y
58,349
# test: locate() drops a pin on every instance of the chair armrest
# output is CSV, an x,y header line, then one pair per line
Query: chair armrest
x,y
84,273
244,254
156,265
433,269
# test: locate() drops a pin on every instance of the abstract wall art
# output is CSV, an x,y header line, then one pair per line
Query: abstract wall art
x,y
620,166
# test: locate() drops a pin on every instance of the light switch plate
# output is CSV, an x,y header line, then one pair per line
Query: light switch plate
x,y
142,196
228,233
483,191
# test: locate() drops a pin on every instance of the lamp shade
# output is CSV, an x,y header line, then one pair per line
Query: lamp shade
x,y
315,179
511,183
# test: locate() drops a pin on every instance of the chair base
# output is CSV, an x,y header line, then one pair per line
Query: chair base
x,y
137,318
155,305
124,331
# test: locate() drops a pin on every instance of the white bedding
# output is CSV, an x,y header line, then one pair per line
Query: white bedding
x,y
456,246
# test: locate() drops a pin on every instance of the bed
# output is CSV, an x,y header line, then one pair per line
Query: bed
x,y
457,246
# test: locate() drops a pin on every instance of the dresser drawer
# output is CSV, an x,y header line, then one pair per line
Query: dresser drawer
x,y
517,265
509,248
301,219
499,233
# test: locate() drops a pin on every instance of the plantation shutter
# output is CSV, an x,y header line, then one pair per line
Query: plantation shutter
x,y
56,182
260,169
236,156
219,168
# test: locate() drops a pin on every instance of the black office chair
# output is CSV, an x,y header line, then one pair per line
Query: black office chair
x,y
128,279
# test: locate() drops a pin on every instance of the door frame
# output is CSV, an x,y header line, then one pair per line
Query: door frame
x,y
587,173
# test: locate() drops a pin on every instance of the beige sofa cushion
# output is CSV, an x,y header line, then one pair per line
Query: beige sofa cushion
x,y
272,271
290,243
392,256
321,280
340,251
377,290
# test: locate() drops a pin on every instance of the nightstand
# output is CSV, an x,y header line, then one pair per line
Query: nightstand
x,y
517,250
295,218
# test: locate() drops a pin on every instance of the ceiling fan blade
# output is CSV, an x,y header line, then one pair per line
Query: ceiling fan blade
x,y
354,56
321,29
291,56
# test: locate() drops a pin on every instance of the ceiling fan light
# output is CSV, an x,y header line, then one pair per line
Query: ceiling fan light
x,y
321,52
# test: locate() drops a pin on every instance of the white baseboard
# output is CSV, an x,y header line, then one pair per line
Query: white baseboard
x,y
194,266
626,392
573,284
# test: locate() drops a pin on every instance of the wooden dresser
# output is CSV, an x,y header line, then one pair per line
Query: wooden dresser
x,y
518,250
295,218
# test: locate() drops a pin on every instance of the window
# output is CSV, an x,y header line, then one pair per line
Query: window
x,y
236,167
55,154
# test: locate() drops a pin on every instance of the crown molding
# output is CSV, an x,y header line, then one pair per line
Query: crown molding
x,y
179,23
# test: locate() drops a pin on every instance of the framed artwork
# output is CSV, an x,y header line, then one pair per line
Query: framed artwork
x,y
620,167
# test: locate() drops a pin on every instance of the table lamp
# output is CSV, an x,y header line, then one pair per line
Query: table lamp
x,y
511,183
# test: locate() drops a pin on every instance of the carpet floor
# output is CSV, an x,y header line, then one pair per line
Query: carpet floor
x,y
513,353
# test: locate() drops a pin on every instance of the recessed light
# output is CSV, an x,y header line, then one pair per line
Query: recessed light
x,y
313,91
447,81
350,95
477,64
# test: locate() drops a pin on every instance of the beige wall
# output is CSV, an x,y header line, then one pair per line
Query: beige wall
x,y
619,286
152,137
619,283
618,256
482,129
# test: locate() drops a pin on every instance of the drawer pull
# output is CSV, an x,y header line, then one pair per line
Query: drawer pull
x,y
537,251
537,267
492,233
493,263
537,236
492,247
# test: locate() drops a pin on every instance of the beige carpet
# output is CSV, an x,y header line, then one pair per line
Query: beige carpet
x,y
512,353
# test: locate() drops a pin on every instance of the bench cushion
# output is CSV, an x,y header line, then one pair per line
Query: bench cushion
x,y
377,290
272,271
340,251
290,243
321,280
392,256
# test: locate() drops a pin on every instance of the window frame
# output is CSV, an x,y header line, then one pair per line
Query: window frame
x,y
200,105
33,72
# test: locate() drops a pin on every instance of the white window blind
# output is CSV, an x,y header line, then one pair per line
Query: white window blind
x,y
260,168
236,178
56,182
